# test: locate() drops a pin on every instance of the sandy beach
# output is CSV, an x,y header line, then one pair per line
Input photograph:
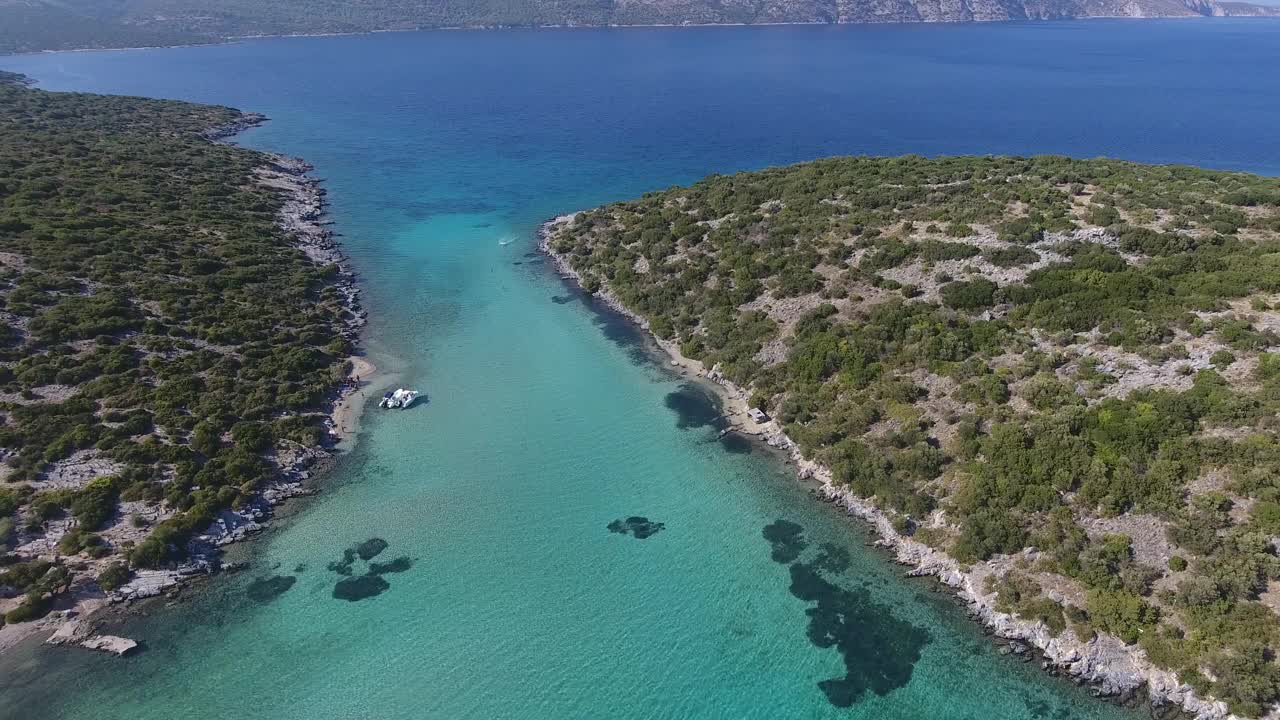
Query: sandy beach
x,y
349,408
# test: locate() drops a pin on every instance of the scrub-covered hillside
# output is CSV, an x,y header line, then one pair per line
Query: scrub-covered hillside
x,y
1067,371
163,342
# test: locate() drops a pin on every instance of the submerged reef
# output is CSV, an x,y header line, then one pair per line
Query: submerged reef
x,y
636,526
269,588
352,587
371,548
787,539
400,564
695,407
879,650
343,566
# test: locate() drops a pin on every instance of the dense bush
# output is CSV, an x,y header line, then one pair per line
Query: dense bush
x,y
113,576
970,295
1122,614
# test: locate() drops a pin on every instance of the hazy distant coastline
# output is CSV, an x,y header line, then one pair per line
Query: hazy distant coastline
x,y
82,25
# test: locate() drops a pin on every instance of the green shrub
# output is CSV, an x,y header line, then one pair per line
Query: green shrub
x,y
113,576
1011,256
1122,614
94,504
76,540
30,609
970,295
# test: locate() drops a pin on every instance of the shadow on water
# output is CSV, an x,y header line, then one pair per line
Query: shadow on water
x,y
879,650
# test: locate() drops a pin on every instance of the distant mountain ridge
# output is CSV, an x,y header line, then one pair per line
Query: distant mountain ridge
x,y
31,25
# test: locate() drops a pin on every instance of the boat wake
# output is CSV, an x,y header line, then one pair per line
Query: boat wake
x,y
507,240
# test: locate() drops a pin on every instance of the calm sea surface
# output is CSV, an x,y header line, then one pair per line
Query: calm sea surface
x,y
547,421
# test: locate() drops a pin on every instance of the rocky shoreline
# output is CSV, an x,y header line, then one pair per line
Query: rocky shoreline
x,y
303,217
223,133
1105,663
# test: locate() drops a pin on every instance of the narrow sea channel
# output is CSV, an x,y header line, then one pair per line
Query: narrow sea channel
x,y
548,420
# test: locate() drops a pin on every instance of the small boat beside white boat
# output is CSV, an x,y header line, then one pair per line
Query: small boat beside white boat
x,y
401,398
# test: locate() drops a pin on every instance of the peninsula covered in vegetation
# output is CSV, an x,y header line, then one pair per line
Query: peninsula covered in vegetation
x,y
1061,376
173,327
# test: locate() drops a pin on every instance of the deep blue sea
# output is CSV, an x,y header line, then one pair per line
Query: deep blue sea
x,y
549,420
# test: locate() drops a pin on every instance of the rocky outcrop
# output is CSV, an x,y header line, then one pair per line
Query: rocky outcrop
x,y
80,632
303,216
244,121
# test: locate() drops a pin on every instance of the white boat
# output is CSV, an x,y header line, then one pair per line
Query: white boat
x,y
401,398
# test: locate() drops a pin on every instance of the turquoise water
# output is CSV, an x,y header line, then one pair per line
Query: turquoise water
x,y
548,420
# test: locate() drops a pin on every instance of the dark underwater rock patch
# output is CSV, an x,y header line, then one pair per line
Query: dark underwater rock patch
x,y
879,650
343,566
695,407
563,299
636,526
787,539
621,331
399,565
355,589
269,588
371,548
832,558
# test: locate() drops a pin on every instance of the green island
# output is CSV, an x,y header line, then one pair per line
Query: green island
x,y
167,348
1063,373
